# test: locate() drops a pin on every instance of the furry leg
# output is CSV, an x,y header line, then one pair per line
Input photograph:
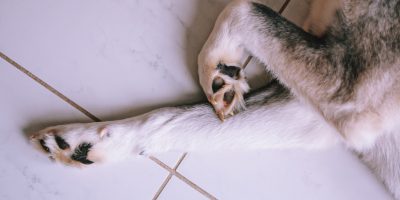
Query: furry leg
x,y
301,61
274,119
328,73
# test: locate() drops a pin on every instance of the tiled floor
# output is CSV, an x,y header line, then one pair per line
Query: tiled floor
x,y
120,58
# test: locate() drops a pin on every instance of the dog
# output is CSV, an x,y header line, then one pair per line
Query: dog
x,y
335,84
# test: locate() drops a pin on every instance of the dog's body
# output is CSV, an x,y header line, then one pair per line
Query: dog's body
x,y
338,88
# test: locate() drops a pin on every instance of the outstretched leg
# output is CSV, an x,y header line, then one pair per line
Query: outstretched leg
x,y
274,119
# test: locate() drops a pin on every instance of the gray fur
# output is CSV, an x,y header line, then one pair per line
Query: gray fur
x,y
349,75
358,50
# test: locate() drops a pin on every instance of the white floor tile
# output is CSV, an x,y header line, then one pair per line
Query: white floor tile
x,y
121,58
331,174
27,174
176,189
169,158
114,58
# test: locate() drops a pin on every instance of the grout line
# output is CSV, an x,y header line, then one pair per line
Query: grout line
x,y
172,171
284,6
166,181
183,178
247,62
47,86
94,118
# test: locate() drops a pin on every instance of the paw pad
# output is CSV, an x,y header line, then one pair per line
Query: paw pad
x,y
57,148
217,84
81,153
61,142
228,86
231,71
43,145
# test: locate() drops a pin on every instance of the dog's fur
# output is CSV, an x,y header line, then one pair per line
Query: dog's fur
x,y
340,87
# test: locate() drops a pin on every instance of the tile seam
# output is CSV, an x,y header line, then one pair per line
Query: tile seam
x,y
284,6
48,87
166,181
91,116
184,179
247,61
162,187
172,171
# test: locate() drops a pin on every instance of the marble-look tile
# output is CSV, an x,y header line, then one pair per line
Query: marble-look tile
x,y
27,174
176,189
170,158
121,58
114,58
294,174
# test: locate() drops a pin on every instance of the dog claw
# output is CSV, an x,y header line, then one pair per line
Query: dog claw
x,y
212,101
221,116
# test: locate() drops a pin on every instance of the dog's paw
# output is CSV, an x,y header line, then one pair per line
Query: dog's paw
x,y
220,63
225,86
84,144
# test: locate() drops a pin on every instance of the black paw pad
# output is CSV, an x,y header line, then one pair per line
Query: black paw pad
x,y
217,84
61,142
228,96
44,147
81,153
231,71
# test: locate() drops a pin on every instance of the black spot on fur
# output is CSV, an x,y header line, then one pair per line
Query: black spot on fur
x,y
61,142
228,96
231,71
217,84
43,144
81,153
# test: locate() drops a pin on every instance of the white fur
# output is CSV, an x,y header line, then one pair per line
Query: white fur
x,y
288,124
197,128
